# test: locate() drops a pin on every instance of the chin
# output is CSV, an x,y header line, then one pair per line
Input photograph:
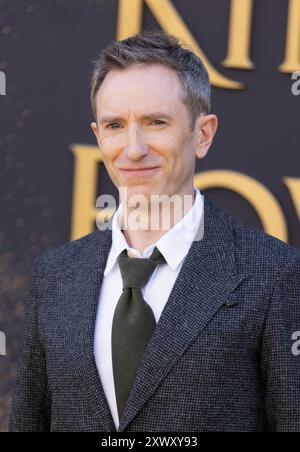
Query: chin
x,y
143,190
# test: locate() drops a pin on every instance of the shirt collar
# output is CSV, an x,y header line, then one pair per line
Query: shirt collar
x,y
173,245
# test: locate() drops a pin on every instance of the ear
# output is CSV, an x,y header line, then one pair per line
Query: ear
x,y
206,127
94,129
96,132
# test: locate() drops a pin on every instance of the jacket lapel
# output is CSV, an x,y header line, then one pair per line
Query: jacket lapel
x,y
207,278
81,293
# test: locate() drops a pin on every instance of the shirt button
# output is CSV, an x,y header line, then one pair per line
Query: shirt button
x,y
133,253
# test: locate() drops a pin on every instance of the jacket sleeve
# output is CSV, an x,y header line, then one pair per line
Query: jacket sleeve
x,y
280,357
30,411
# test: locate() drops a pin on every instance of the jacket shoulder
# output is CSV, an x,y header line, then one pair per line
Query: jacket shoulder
x,y
256,247
59,259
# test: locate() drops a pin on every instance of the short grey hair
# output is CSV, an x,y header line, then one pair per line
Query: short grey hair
x,y
154,46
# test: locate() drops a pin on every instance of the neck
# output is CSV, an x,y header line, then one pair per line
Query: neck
x,y
153,222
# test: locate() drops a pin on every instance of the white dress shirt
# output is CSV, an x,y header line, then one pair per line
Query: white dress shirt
x,y
174,246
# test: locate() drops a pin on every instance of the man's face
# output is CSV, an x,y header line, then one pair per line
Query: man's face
x,y
142,122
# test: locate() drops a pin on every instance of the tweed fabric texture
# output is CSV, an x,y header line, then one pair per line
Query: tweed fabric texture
x,y
220,358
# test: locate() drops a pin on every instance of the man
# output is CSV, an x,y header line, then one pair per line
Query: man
x,y
146,329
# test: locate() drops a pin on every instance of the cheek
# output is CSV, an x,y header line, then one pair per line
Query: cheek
x,y
109,154
111,144
177,156
169,146
183,164
109,166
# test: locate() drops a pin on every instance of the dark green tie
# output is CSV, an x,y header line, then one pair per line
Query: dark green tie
x,y
133,322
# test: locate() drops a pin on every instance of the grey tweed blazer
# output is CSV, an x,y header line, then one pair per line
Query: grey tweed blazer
x,y
224,355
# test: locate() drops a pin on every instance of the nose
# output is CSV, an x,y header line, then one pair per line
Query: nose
x,y
135,148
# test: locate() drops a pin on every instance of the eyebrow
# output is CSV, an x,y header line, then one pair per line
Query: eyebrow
x,y
107,119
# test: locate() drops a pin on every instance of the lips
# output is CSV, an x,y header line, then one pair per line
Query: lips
x,y
138,169
139,172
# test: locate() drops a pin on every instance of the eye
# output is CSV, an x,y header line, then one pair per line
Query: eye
x,y
112,125
157,122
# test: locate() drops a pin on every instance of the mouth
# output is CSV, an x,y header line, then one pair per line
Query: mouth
x,y
139,172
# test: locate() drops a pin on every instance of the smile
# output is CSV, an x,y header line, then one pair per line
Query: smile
x,y
141,172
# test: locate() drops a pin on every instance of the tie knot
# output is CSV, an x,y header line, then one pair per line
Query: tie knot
x,y
136,271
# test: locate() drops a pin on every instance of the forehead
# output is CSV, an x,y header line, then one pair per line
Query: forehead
x,y
141,88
